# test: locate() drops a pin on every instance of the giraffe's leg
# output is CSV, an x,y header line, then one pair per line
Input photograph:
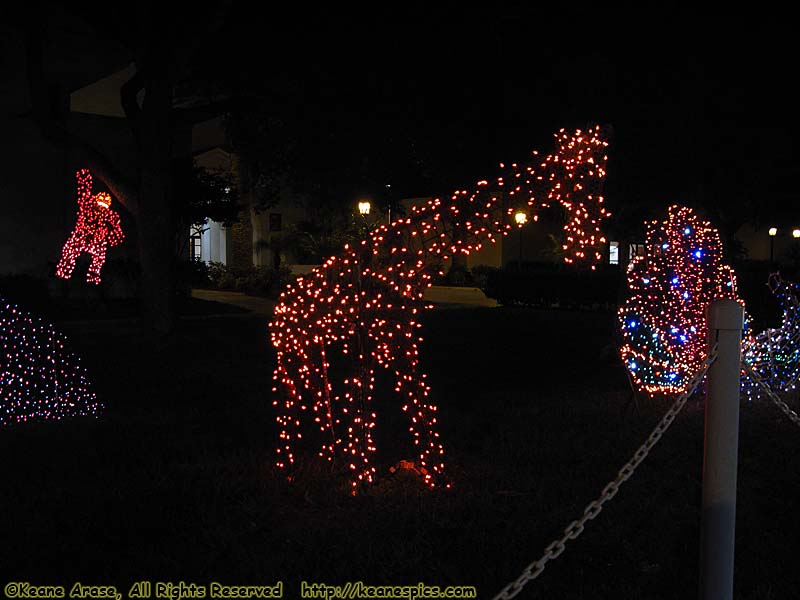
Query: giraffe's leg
x,y
355,423
324,408
288,418
413,388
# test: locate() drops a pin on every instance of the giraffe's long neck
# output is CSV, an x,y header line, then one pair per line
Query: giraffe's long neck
x,y
407,253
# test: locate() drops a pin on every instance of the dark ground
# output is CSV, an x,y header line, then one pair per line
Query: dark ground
x,y
175,482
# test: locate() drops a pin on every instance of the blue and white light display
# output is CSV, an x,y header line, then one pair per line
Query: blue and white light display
x,y
775,353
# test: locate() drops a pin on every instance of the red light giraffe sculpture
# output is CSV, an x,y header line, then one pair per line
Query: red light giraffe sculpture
x,y
97,228
365,303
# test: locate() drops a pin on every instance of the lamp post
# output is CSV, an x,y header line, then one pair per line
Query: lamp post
x,y
364,208
773,231
796,233
521,218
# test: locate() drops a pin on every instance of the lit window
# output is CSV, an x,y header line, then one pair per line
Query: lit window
x,y
195,247
635,250
613,253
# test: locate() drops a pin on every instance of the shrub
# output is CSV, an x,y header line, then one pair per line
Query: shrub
x,y
216,271
555,285
194,273
255,281
225,281
265,281
481,275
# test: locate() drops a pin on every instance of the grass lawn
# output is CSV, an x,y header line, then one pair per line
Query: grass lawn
x,y
175,482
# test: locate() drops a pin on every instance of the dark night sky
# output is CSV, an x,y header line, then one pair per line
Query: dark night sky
x,y
702,107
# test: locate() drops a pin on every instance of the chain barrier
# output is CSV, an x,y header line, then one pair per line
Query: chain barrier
x,y
793,416
574,529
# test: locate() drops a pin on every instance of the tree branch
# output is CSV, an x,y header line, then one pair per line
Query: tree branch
x,y
56,133
120,187
128,92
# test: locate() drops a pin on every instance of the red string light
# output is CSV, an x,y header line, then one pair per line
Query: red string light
x,y
577,172
365,303
97,228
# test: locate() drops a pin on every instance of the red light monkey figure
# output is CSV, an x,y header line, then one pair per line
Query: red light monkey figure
x,y
97,228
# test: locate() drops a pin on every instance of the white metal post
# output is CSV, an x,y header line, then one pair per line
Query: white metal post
x,y
725,322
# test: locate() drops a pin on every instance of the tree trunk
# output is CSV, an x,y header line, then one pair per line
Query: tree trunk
x,y
156,251
258,218
155,218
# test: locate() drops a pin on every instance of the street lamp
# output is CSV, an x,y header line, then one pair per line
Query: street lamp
x,y
364,206
773,231
796,233
521,218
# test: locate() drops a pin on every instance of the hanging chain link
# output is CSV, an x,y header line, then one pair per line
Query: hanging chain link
x,y
793,416
574,529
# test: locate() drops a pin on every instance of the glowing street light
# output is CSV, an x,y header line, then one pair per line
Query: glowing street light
x,y
773,231
521,218
364,207
796,233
